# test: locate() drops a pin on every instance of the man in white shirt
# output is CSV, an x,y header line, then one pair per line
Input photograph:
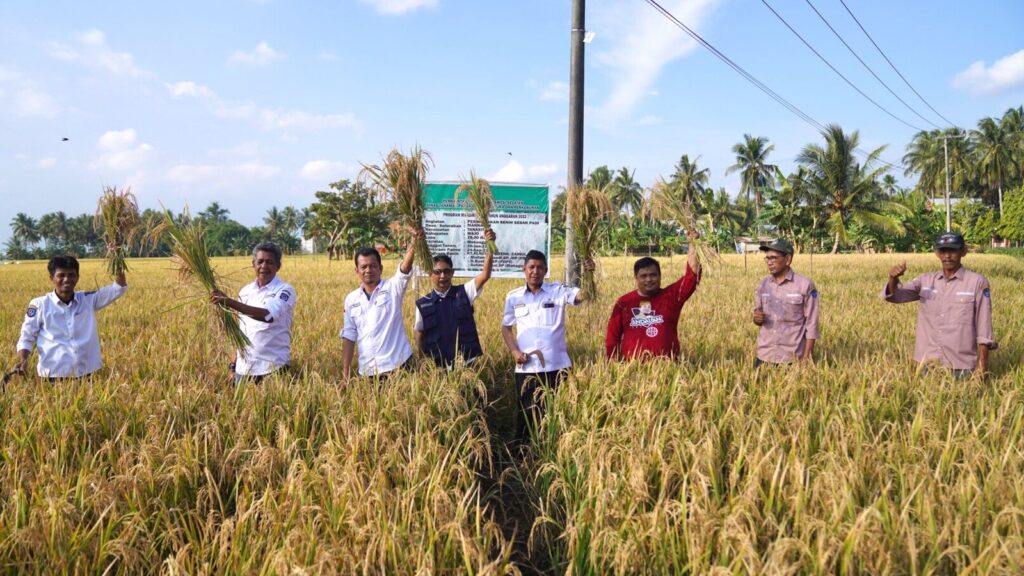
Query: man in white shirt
x,y
373,316
537,312
445,327
265,309
62,324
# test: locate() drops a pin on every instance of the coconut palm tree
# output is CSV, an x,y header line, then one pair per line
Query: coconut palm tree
x,y
275,223
599,178
53,229
849,186
25,229
924,157
993,152
627,192
752,164
688,182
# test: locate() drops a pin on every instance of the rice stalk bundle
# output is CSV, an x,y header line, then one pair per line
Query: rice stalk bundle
x,y
478,193
188,245
672,206
401,178
117,219
589,207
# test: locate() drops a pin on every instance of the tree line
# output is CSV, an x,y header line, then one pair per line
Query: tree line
x,y
840,197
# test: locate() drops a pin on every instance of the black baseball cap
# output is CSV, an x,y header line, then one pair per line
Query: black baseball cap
x,y
779,245
950,240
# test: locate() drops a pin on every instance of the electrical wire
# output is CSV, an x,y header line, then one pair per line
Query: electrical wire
x,y
796,111
905,81
865,64
836,70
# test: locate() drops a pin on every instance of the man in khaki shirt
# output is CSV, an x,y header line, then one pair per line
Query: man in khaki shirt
x,y
954,316
786,309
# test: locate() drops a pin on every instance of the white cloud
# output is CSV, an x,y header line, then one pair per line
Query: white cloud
x,y
120,152
267,118
641,42
21,95
192,173
326,170
262,55
327,56
558,91
648,120
44,163
188,88
511,172
92,51
399,6
543,170
1004,74
117,139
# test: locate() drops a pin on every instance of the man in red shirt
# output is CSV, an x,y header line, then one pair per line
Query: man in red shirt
x,y
644,322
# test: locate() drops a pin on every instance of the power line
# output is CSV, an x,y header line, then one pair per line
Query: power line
x,y
865,64
880,51
796,111
834,69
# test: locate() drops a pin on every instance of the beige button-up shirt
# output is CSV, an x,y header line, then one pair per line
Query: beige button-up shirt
x,y
953,316
790,317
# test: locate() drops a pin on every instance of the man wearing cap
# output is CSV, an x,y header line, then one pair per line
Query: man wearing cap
x,y
644,322
444,326
265,309
62,324
785,308
954,314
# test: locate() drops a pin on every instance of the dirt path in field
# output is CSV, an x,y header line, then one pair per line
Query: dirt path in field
x,y
508,483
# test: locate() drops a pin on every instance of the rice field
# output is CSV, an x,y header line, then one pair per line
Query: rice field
x,y
855,465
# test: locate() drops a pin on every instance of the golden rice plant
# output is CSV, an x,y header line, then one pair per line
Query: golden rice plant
x,y
667,204
589,207
188,245
401,178
117,219
478,193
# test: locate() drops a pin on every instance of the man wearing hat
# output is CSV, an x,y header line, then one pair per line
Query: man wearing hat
x,y
954,317
786,309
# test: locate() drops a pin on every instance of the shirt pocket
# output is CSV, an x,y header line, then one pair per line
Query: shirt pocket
x,y
793,308
963,309
549,313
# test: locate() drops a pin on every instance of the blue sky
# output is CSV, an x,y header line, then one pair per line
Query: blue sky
x,y
261,103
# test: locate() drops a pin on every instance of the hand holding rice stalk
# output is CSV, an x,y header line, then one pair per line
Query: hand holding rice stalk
x,y
588,207
188,245
670,205
478,192
117,219
401,178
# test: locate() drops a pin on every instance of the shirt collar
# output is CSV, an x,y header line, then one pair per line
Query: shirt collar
x,y
443,294
273,282
958,275
787,278
543,288
56,299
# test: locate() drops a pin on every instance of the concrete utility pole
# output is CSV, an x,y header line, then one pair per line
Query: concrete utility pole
x,y
574,172
945,154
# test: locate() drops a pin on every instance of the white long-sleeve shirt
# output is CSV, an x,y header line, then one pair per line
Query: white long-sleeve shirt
x,y
271,338
66,334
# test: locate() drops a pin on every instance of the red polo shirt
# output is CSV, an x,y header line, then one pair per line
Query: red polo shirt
x,y
647,325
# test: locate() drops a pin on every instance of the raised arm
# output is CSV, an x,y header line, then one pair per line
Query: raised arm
x,y
691,255
485,274
410,252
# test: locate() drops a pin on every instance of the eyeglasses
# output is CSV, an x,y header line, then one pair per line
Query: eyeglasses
x,y
442,271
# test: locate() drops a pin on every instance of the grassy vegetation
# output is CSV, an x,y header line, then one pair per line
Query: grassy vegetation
x,y
853,465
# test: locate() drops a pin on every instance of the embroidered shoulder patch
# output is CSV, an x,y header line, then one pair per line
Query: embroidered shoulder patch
x,y
31,312
986,293
284,296
814,293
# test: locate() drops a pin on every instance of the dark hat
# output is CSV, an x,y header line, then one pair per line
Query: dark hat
x,y
779,245
950,240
